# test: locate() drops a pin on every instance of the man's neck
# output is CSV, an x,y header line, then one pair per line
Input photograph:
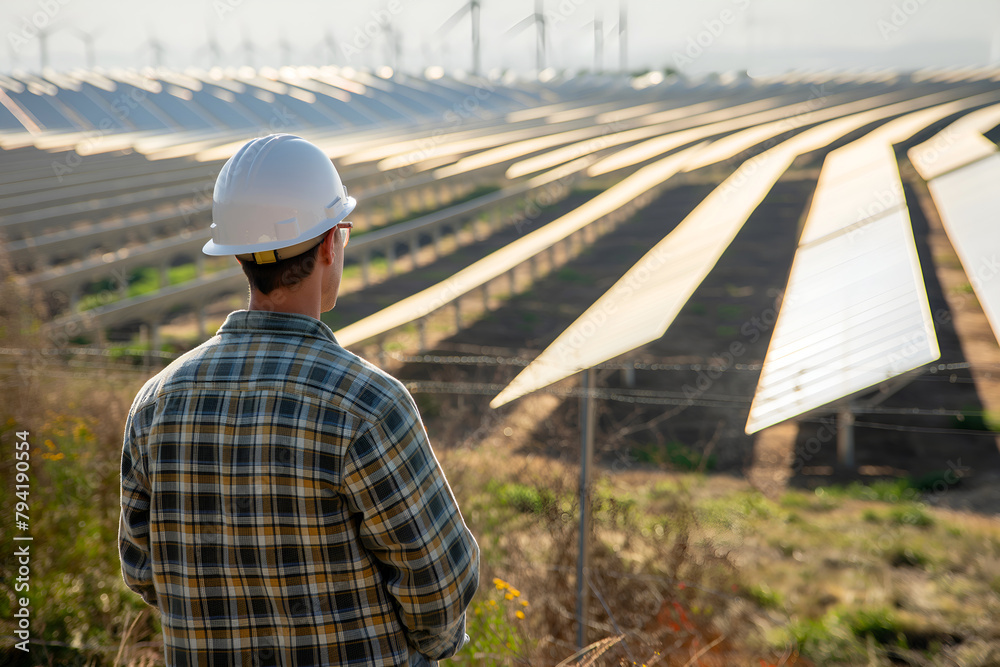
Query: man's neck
x,y
285,301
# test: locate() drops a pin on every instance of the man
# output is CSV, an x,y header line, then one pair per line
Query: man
x,y
280,503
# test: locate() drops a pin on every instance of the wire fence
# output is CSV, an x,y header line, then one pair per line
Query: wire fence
x,y
84,362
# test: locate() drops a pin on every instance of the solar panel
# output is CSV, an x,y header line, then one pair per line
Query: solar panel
x,y
861,180
747,133
855,310
962,168
854,185
518,251
855,314
641,305
957,145
968,200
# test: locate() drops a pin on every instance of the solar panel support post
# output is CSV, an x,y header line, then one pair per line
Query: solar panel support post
x,y
587,424
390,258
422,333
436,243
628,376
845,437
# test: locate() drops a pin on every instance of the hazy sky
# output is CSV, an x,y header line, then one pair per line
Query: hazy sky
x,y
692,35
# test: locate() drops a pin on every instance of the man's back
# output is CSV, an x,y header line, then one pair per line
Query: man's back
x,y
281,505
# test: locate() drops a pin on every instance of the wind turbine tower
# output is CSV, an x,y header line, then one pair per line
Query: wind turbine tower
x,y
623,35
472,8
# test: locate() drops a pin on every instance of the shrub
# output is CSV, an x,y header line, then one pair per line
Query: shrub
x,y
673,455
911,514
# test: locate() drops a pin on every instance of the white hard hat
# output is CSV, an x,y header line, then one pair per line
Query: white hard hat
x,y
273,198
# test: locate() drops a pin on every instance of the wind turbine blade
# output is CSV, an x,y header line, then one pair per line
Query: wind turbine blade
x,y
453,20
523,24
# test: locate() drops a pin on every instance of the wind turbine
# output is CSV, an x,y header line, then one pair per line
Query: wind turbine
x,y
623,35
598,40
599,36
472,8
751,26
15,58
211,47
249,49
286,50
43,46
539,19
393,45
328,48
995,46
88,45
156,48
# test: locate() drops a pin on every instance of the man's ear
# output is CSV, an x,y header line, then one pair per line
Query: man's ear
x,y
327,251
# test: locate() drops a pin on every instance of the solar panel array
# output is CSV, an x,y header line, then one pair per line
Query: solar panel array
x,y
640,307
962,168
94,159
855,310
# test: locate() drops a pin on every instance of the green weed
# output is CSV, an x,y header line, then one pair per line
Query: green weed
x,y
911,514
728,311
884,490
571,275
181,274
765,596
673,455
696,308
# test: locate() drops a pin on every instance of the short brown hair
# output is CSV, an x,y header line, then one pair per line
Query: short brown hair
x,y
266,278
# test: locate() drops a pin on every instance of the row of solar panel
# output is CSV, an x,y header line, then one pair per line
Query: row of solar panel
x,y
124,100
849,321
871,321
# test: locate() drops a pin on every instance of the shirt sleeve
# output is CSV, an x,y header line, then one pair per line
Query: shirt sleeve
x,y
133,527
411,523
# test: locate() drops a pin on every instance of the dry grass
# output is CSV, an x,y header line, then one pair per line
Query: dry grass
x,y
687,569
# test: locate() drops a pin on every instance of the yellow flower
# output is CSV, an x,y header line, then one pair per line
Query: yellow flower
x,y
520,614
500,584
509,596
524,603
516,593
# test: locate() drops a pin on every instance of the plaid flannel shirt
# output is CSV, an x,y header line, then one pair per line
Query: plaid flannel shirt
x,y
281,505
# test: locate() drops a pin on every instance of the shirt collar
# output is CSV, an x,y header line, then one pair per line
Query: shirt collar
x,y
288,324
